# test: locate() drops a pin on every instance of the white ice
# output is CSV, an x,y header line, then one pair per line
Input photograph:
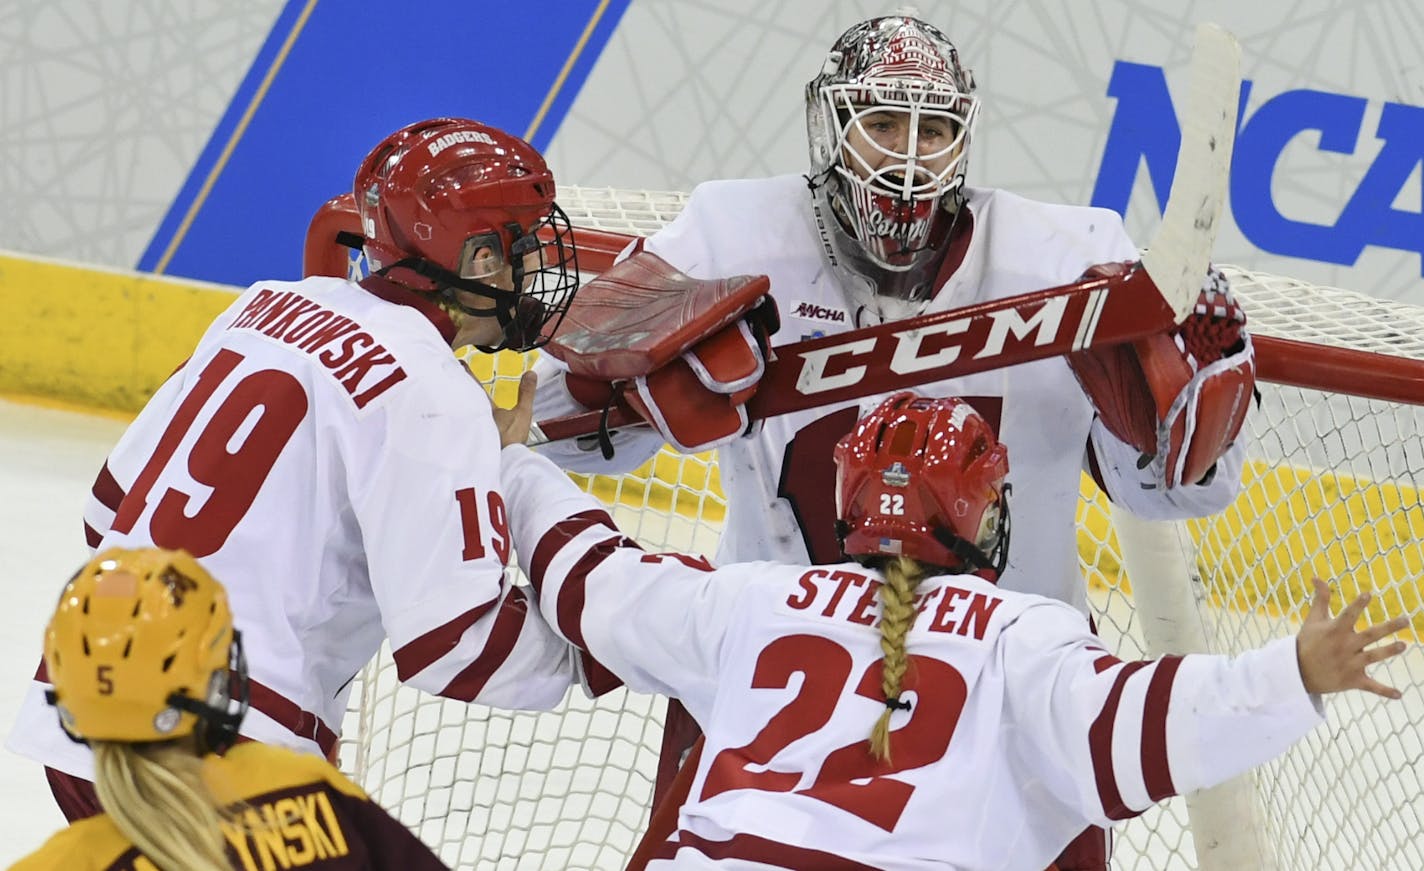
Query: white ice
x,y
48,461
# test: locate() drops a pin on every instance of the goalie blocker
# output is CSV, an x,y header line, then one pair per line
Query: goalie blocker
x,y
685,354
1180,397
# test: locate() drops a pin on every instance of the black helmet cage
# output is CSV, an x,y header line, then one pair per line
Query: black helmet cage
x,y
529,317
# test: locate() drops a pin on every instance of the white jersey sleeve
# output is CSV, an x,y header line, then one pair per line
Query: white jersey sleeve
x,y
632,446
325,455
436,537
589,575
1119,736
1137,489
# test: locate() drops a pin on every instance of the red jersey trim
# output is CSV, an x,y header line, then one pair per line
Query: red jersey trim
x,y
1154,730
1100,741
569,610
563,532
508,623
415,657
107,490
291,717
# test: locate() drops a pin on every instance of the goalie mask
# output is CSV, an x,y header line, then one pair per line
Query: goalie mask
x,y
142,648
454,203
924,478
889,121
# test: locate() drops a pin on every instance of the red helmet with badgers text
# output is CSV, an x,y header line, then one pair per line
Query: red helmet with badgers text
x,y
450,201
924,478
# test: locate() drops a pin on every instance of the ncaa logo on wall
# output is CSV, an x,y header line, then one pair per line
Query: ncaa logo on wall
x,y
1145,131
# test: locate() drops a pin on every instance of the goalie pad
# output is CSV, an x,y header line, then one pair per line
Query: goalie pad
x,y
685,354
1178,397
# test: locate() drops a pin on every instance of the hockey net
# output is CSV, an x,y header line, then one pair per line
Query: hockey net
x,y
1332,489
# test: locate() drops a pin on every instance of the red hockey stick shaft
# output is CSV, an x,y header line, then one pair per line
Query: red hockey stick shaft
x,y
1006,332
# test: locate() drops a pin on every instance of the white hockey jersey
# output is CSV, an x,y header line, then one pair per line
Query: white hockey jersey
x,y
779,481
330,461
1021,730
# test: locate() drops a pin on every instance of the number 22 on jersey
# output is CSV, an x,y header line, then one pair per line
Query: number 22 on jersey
x,y
849,777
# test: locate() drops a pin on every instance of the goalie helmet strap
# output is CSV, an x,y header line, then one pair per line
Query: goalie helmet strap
x,y
974,557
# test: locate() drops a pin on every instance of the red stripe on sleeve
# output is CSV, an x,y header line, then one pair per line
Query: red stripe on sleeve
x,y
1105,662
470,682
1154,729
413,658
291,716
107,490
569,611
561,534
92,537
1100,741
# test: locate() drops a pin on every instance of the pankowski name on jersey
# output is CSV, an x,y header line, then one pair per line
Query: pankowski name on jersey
x,y
325,455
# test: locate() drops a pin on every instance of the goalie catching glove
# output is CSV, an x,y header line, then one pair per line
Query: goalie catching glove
x,y
1179,397
685,354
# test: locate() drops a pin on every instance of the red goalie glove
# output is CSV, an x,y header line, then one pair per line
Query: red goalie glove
x,y
685,354
1179,397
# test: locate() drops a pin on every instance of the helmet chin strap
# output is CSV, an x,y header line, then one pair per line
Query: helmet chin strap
x,y
975,557
867,284
519,316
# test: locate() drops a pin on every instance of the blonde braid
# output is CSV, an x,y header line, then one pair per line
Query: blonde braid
x,y
897,615
156,796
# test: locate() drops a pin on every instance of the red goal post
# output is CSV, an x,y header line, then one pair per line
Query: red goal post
x,y
1332,488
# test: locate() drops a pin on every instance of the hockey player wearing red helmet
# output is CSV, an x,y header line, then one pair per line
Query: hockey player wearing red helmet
x,y
886,224
326,454
897,709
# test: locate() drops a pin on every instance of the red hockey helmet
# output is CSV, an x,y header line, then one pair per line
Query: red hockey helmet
x,y
434,193
924,478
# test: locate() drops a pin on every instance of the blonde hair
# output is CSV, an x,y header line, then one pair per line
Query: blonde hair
x,y
156,795
897,615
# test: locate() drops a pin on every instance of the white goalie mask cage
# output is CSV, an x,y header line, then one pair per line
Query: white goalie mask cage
x,y
878,199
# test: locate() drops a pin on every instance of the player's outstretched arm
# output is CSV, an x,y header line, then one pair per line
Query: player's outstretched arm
x,y
426,495
1122,735
1334,656
653,620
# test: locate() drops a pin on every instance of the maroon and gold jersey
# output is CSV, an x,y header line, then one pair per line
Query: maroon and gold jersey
x,y
291,810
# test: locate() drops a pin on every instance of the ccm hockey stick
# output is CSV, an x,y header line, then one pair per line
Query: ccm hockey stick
x,y
1153,296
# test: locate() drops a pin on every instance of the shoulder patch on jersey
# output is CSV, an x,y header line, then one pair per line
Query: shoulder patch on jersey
x,y
810,311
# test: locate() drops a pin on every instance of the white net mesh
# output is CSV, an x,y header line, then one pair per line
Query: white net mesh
x,y
1332,489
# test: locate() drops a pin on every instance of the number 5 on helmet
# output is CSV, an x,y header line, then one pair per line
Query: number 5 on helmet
x,y
142,648
685,354
1179,397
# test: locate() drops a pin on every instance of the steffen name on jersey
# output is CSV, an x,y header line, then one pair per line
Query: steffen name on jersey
x,y
851,596
360,364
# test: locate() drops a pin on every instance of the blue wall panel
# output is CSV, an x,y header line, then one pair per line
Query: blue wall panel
x,y
356,70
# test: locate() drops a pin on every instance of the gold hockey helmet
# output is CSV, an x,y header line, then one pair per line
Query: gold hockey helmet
x,y
142,648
